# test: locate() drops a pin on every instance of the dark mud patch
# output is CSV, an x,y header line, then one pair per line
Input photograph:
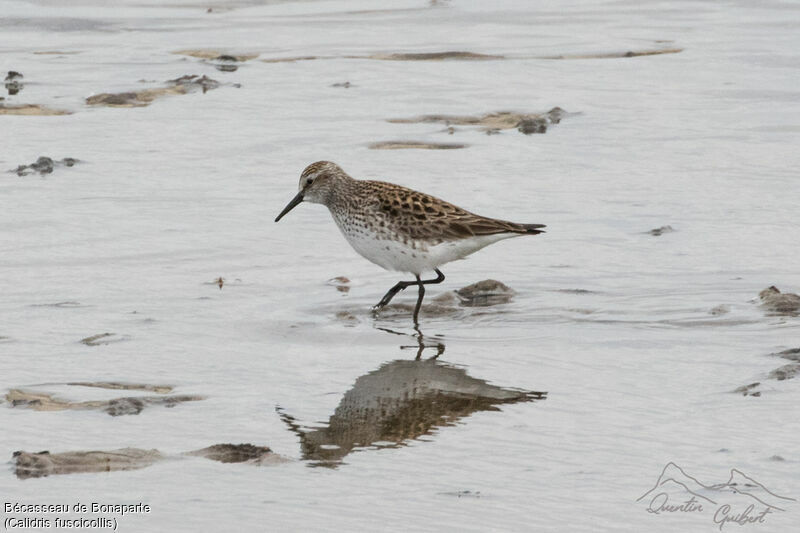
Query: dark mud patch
x,y
56,52
183,85
397,56
134,98
13,82
400,401
792,354
217,55
657,232
461,55
224,282
719,310
42,464
501,120
462,494
485,293
530,126
779,303
222,61
789,371
102,339
442,305
226,64
341,283
31,110
220,9
347,319
219,282
43,401
617,55
575,291
748,390
783,372
117,385
69,304
294,59
435,56
415,145
44,165
240,453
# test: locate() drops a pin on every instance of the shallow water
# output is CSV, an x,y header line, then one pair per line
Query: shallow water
x,y
613,323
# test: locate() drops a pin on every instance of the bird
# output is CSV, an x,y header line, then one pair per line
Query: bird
x,y
400,229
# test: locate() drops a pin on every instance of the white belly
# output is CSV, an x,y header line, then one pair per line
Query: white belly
x,y
415,257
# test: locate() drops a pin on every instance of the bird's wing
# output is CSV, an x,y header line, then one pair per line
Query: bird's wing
x,y
422,216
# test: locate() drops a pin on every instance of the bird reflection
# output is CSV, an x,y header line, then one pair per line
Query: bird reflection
x,y
422,341
400,401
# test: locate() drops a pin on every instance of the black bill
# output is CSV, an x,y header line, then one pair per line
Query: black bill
x,y
291,205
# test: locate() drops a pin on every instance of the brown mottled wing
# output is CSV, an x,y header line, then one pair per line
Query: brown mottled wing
x,y
422,216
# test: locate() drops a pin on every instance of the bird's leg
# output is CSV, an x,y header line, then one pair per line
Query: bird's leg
x,y
439,278
419,300
401,285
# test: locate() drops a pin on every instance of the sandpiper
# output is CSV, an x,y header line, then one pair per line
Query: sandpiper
x,y
400,229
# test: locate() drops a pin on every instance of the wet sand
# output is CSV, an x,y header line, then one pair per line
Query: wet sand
x,y
38,400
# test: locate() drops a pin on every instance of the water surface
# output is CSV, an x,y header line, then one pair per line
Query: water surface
x,y
618,327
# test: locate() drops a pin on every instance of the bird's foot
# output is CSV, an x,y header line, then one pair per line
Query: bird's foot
x,y
388,297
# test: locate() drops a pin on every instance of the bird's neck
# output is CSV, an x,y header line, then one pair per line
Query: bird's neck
x,y
343,195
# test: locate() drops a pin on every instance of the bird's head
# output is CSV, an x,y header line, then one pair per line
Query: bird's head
x,y
316,184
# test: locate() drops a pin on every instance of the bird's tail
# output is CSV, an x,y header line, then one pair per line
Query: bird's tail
x,y
533,229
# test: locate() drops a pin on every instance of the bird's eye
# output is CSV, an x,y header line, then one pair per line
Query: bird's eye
x,y
309,180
